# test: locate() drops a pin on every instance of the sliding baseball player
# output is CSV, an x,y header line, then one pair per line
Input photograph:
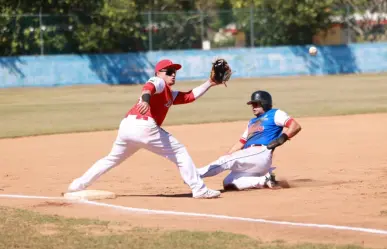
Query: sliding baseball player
x,y
250,159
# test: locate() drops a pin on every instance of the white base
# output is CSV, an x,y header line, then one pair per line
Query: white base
x,y
90,195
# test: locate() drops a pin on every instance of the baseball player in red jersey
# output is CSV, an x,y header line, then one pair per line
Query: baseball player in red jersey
x,y
140,129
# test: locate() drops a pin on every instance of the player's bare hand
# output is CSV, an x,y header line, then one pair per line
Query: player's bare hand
x,y
143,107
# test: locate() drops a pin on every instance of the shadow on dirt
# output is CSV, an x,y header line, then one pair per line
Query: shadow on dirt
x,y
282,184
305,182
52,204
158,195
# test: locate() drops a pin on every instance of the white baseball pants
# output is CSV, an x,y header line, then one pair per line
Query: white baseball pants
x,y
248,167
135,134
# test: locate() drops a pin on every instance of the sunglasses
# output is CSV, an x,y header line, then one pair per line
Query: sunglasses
x,y
169,71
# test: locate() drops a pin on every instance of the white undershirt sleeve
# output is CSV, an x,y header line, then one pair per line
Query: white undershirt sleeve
x,y
244,135
281,117
200,90
159,84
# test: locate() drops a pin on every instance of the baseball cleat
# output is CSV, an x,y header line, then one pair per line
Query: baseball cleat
x,y
271,181
75,186
209,194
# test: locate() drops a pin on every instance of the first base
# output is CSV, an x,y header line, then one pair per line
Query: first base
x,y
90,195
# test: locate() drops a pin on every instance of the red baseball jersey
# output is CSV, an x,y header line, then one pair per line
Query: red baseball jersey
x,y
162,98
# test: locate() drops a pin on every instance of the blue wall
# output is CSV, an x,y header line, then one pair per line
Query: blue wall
x,y
133,68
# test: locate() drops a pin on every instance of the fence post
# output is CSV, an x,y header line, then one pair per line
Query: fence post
x,y
41,32
150,38
201,27
251,26
347,13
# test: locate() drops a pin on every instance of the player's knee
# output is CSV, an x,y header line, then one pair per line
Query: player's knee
x,y
180,148
113,159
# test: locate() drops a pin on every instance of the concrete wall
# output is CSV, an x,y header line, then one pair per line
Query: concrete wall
x,y
135,68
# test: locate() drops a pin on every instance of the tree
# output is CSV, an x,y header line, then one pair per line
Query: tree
x,y
69,26
182,24
285,22
366,19
115,26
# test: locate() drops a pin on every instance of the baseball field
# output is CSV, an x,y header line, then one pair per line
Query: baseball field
x,y
336,169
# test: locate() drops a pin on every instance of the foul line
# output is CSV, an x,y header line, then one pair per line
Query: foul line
x,y
223,217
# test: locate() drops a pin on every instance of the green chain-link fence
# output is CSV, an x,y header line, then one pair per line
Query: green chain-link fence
x,y
37,34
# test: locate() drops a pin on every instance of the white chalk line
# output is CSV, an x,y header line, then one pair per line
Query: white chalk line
x,y
215,216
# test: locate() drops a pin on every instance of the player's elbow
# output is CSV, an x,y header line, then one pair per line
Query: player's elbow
x,y
189,97
297,128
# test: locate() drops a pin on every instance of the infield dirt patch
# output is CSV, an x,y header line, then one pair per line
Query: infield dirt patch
x,y
336,168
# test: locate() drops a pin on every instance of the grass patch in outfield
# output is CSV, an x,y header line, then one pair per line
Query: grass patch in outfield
x,y
37,111
26,229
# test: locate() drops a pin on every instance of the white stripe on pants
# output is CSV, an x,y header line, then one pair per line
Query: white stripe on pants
x,y
135,134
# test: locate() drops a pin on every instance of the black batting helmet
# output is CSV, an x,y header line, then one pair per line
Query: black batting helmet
x,y
262,97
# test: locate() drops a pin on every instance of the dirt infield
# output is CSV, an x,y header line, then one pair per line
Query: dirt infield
x,y
336,168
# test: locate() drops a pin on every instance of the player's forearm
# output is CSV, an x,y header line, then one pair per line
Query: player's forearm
x,y
146,95
237,146
200,90
192,95
147,91
293,129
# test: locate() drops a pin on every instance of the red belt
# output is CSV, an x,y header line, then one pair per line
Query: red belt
x,y
138,116
141,117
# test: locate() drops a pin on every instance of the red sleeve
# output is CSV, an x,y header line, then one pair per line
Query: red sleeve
x,y
150,87
184,98
288,122
243,141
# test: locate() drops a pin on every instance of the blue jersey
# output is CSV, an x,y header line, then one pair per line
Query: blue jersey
x,y
265,127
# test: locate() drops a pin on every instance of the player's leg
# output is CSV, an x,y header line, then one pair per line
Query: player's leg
x,y
246,180
253,159
122,148
243,180
164,144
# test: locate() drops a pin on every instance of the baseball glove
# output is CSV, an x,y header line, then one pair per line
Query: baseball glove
x,y
220,72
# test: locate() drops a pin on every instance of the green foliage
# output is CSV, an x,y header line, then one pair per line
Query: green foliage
x,y
287,22
176,30
111,30
69,26
371,27
110,26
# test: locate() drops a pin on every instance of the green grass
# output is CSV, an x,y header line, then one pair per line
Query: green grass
x,y
36,111
26,229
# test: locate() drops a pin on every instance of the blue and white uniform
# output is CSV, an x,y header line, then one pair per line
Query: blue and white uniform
x,y
264,128
250,164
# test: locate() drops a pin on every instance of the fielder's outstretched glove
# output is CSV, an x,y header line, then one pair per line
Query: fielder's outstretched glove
x,y
220,72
